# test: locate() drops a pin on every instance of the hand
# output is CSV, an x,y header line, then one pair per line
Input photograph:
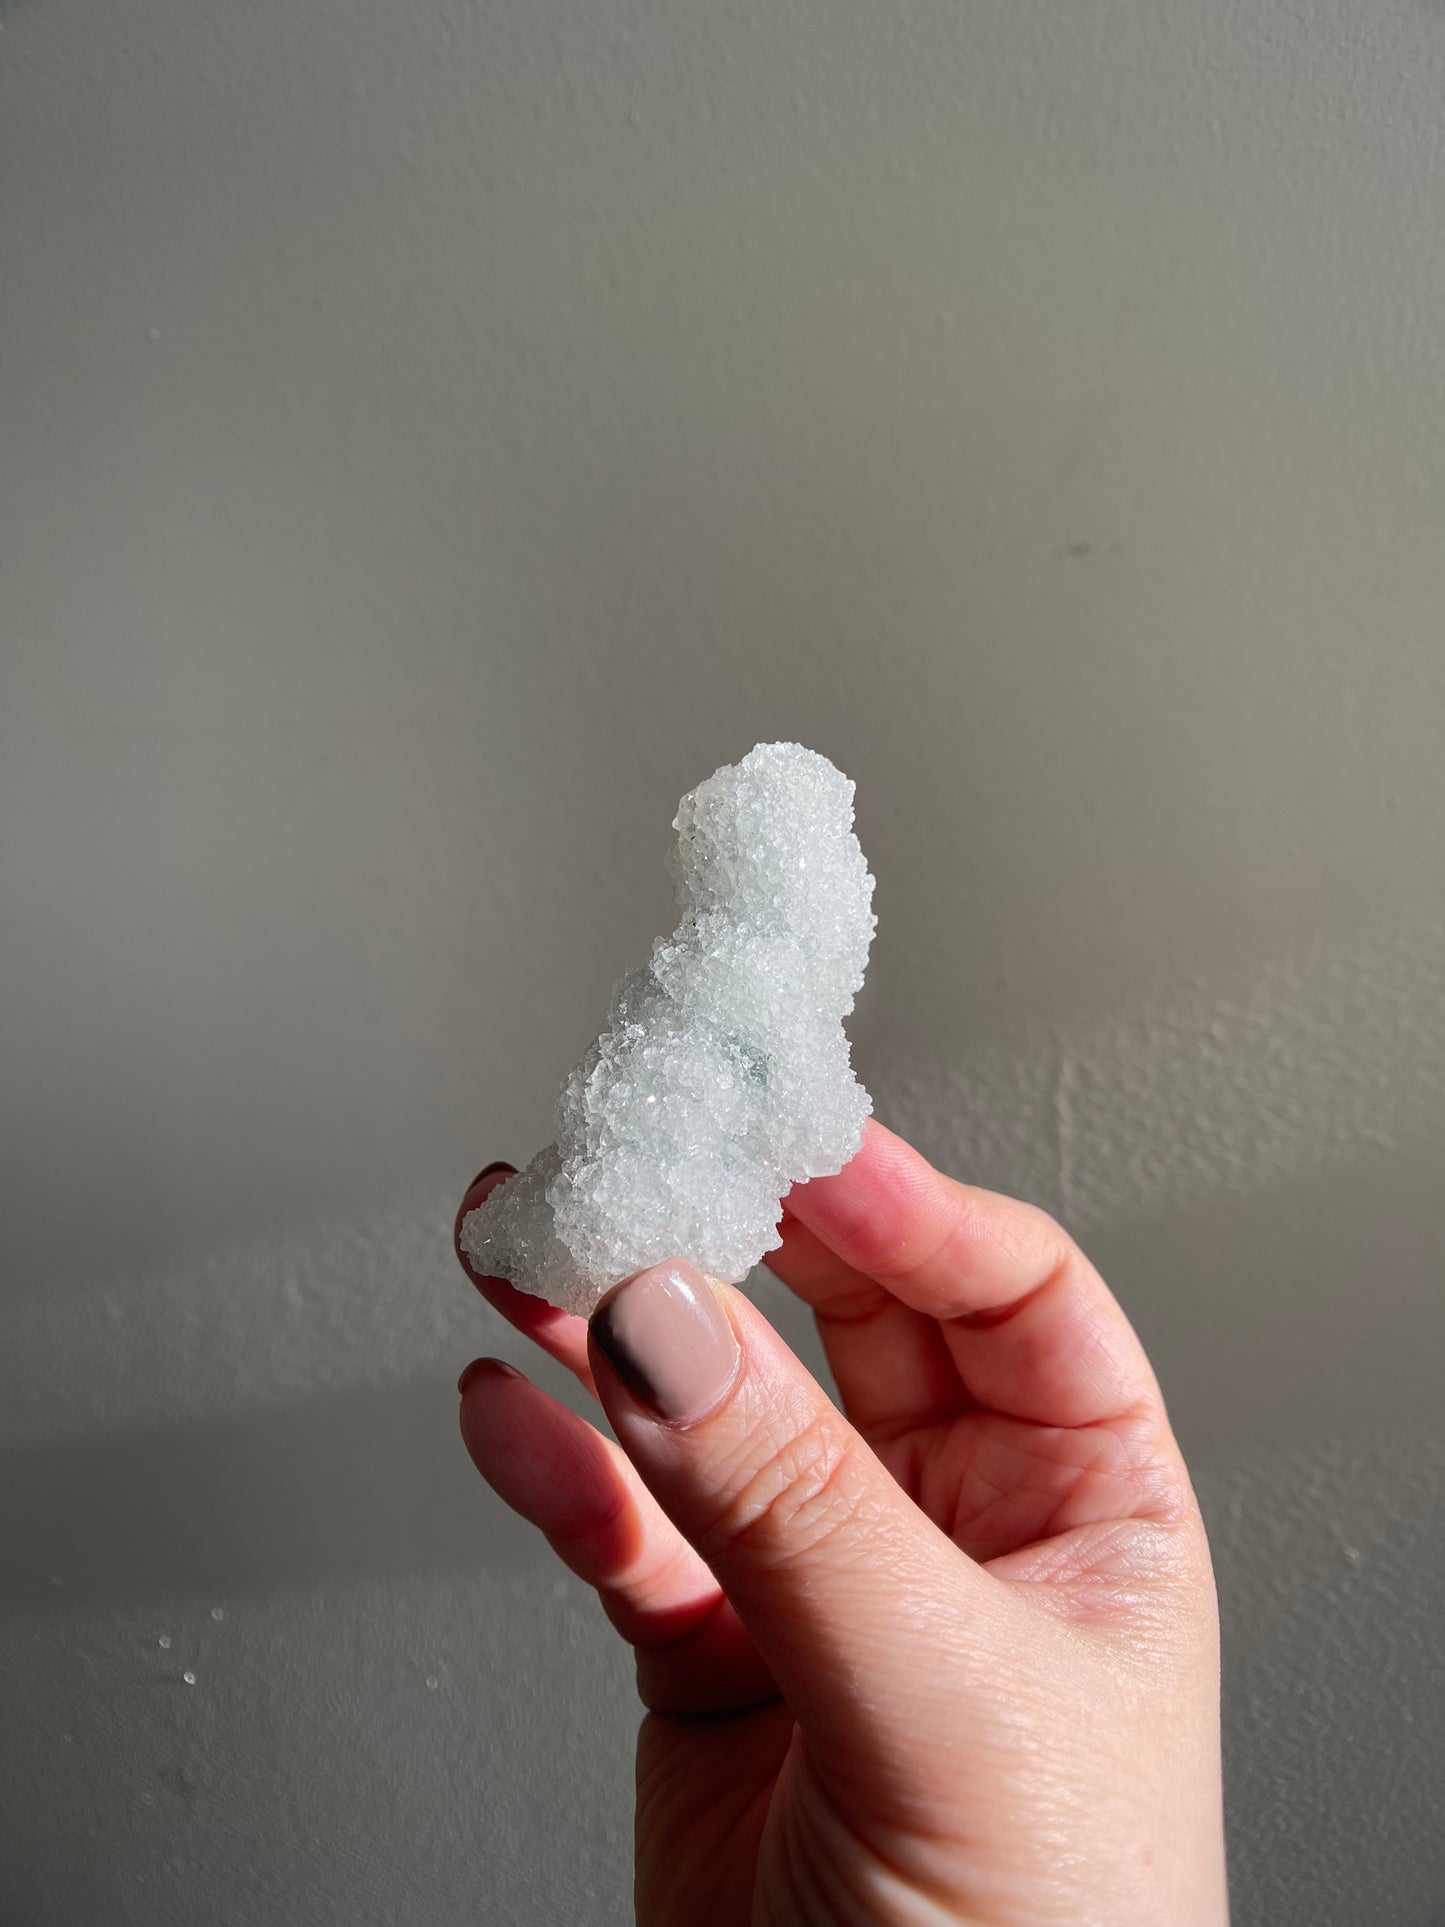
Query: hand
x,y
950,1658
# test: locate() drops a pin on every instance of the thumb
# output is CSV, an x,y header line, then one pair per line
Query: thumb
x,y
848,1589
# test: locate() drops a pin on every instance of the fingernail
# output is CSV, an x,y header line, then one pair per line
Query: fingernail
x,y
479,1188
669,1340
478,1365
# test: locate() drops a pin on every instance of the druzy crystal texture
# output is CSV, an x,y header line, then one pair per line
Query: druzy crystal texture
x,y
722,1075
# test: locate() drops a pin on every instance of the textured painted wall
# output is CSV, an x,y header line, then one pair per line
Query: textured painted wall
x,y
431,438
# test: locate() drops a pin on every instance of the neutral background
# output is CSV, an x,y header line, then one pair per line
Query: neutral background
x,y
432,437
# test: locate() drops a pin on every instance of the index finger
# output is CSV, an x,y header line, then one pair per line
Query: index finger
x,y
1033,1329
562,1334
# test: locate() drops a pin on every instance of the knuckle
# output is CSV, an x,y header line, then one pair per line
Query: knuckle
x,y
600,1542
786,1497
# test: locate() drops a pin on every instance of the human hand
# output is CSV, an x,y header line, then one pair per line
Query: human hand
x,y
951,1657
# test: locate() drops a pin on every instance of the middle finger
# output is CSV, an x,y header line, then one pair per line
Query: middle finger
x,y
585,1495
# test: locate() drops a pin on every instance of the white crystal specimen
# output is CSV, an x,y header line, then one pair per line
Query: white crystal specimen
x,y
722,1076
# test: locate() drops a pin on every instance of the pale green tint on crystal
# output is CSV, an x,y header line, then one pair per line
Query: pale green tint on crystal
x,y
722,1076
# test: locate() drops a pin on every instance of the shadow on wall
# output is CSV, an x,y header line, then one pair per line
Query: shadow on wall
x,y
366,1483
1243,1302
1329,1562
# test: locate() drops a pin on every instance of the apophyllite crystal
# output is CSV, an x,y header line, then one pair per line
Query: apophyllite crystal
x,y
722,1075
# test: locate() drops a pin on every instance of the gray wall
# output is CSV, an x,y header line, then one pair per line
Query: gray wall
x,y
433,436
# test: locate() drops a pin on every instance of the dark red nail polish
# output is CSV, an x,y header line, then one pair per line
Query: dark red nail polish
x,y
497,1164
478,1365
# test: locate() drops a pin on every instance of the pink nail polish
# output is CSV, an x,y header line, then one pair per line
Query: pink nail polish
x,y
669,1340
